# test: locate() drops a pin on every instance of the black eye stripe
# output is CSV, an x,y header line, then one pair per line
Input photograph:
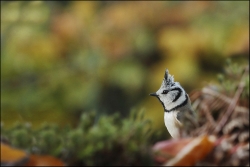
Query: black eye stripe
x,y
178,89
178,94
174,89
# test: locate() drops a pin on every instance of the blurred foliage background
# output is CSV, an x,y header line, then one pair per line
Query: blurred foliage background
x,y
62,59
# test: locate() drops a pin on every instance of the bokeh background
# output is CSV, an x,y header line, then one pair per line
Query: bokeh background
x,y
61,59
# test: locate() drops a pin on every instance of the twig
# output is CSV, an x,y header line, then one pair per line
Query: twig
x,y
232,105
224,98
208,114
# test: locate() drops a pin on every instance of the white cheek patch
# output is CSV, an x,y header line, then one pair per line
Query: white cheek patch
x,y
171,95
169,98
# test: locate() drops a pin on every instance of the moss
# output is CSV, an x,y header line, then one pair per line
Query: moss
x,y
111,140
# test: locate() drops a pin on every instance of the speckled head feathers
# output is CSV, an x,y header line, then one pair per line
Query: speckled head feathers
x,y
168,80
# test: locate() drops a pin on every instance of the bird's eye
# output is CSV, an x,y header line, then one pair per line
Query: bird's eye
x,y
165,92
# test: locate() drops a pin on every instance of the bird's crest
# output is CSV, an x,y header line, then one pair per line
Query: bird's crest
x,y
168,80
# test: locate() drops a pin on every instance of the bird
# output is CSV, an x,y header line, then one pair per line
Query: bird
x,y
178,112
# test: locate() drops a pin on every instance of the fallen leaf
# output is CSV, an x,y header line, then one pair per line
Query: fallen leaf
x,y
43,160
166,150
184,151
11,156
14,157
193,152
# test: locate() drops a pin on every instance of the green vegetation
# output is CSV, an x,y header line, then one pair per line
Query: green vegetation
x,y
107,140
234,73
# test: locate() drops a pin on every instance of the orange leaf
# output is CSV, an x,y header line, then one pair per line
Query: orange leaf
x,y
15,157
43,160
193,152
11,156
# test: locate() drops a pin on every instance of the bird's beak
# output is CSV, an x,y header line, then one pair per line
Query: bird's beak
x,y
153,94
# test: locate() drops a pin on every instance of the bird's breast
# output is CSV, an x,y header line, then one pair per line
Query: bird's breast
x,y
172,124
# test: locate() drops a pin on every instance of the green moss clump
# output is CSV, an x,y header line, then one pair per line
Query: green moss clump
x,y
109,140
